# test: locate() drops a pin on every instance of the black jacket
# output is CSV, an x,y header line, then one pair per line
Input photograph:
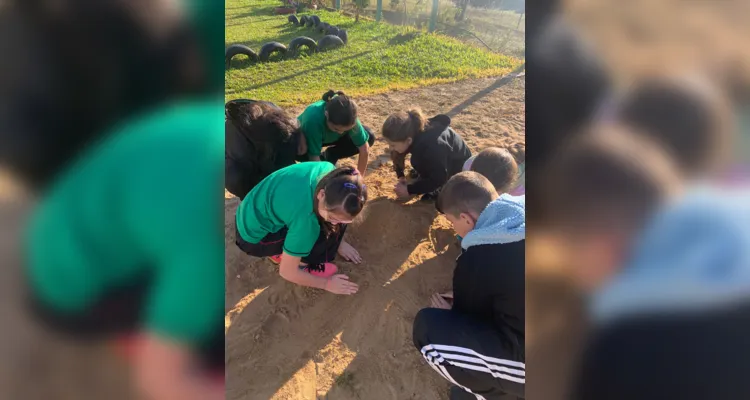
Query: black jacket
x,y
436,154
244,165
697,356
489,285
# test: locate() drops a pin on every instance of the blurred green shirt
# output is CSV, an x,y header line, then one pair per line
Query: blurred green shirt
x,y
314,126
147,201
284,199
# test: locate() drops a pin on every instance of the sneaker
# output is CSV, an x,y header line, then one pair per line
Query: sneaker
x,y
275,259
324,270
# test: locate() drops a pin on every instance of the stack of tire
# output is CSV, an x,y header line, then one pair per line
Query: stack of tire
x,y
334,38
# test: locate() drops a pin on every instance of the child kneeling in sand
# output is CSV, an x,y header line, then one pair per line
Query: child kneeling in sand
x,y
302,211
477,343
437,151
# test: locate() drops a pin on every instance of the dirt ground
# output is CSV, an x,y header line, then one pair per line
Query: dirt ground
x,y
288,342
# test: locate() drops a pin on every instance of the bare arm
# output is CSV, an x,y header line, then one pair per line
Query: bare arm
x,y
364,157
166,370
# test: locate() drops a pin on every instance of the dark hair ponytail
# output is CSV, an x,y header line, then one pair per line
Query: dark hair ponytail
x,y
342,110
344,190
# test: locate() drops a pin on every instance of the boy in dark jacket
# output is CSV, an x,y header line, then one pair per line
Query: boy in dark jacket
x,y
437,152
259,139
477,343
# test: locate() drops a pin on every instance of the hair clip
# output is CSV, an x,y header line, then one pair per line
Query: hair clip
x,y
350,185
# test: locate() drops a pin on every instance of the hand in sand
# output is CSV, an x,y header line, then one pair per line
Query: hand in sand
x,y
438,301
339,284
401,191
349,253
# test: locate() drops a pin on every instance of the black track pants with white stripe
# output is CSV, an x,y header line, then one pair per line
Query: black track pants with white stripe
x,y
469,355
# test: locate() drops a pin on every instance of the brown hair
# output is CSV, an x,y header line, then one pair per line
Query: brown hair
x,y
687,116
404,125
609,178
466,192
497,165
344,190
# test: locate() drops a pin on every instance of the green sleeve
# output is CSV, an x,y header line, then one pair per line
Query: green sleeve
x,y
359,134
309,122
176,209
302,235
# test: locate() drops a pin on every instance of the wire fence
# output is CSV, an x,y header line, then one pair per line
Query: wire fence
x,y
498,25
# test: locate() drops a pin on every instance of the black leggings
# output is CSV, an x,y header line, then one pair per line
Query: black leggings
x,y
323,251
342,148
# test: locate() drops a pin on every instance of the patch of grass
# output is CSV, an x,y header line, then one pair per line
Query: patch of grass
x,y
376,59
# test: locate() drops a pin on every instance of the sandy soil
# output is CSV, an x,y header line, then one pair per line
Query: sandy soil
x,y
288,342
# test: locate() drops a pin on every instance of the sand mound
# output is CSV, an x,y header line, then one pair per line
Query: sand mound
x,y
289,342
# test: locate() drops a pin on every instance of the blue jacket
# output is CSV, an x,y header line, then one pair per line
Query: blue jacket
x,y
695,255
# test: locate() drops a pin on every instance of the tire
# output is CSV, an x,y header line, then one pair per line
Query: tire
x,y
297,42
343,35
238,49
303,20
316,20
329,42
309,21
270,48
323,27
332,30
293,19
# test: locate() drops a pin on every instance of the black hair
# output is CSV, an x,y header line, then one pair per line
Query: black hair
x,y
95,64
344,190
342,111
267,127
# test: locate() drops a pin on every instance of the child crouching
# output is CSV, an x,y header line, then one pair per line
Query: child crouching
x,y
477,342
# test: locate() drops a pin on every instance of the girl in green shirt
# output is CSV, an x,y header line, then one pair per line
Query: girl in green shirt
x,y
302,211
332,123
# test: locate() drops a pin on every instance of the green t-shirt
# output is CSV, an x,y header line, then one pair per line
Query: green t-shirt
x,y
314,126
146,203
284,199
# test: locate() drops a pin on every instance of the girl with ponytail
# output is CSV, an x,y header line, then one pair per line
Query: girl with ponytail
x,y
332,123
437,152
297,217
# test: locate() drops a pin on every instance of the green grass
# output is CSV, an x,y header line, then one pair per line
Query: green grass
x,y
374,61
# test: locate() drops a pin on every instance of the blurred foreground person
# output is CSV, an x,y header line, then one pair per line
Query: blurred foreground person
x,y
667,270
125,147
